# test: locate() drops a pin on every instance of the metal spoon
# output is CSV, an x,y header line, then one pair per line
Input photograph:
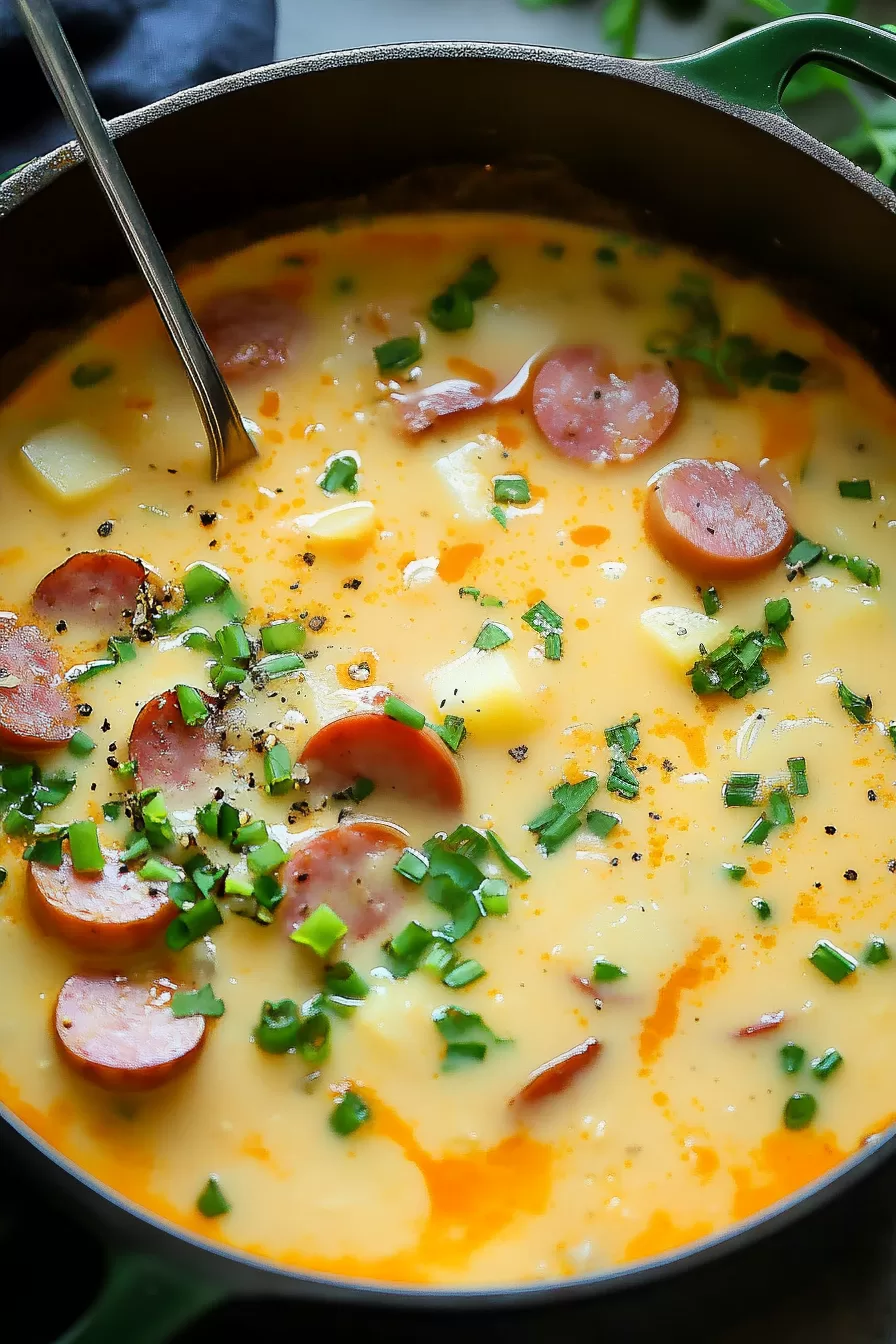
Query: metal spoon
x,y
228,440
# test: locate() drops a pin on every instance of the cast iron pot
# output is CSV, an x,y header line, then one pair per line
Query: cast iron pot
x,y
695,149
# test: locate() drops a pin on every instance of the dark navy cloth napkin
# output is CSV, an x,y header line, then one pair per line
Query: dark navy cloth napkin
x,y
133,52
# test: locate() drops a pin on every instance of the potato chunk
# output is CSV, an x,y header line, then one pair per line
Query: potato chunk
x,y
72,462
678,632
482,687
346,528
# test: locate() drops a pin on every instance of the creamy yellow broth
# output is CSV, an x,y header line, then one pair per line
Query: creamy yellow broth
x,y
676,1131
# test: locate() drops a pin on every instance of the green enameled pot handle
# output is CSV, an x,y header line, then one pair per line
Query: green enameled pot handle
x,y
755,68
143,1301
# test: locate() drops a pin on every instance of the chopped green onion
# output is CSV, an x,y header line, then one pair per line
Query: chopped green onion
x,y
341,474
403,713
543,619
90,373
85,671
479,278
711,601
203,583
452,731
253,833
866,571
499,515
408,946
193,708
511,490
464,973
791,1056
212,1202
282,637
492,636
553,648
229,821
233,643
234,885
759,832
413,865
780,810
469,592
321,930
121,649
452,310
624,737
735,871
136,849
799,784
16,822
494,896
156,871
466,1036
343,980
857,706
267,891
622,781
487,600
278,665
553,836
349,1114
740,790
127,769
438,960
762,908
80,744
266,858
225,674
111,811
799,1110
601,823
277,769
47,851
200,640
824,1065
196,1003
573,797
192,924
399,353
313,1040
775,641
84,847
832,961
876,952
803,554
278,1027
854,489
778,614
512,865
605,972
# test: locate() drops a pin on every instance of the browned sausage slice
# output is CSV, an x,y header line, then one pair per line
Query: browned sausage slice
x,y
37,710
558,1073
411,761
249,331
590,411
122,1035
350,869
169,753
419,410
715,520
112,911
94,586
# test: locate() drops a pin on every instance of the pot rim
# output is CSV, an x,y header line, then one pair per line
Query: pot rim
x,y
25,182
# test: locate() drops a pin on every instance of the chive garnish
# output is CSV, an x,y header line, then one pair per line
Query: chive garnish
x,y
624,736
857,706
467,1038
832,961
282,637
399,353
344,981
193,708
349,1113
573,797
203,583
734,667
469,592
47,851
499,515
437,961
111,811
799,784
278,1027
313,1041
277,769
404,713
605,972
452,730
80,744
854,489
543,619
413,865
464,973
876,951
779,808
341,474
192,924
494,896
196,1003
212,1202
778,614
866,571
759,832
266,859
154,870
136,849
792,1057
762,908
84,847
452,310
321,930
479,278
601,823
712,603
276,665
407,947
735,871
553,835
824,1065
252,833
622,781
121,649
492,636
90,373
512,865
740,790
511,490
799,1110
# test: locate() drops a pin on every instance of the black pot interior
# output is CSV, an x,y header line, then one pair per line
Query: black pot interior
x,y
558,138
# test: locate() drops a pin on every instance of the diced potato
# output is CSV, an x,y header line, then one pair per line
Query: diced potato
x,y
468,473
346,528
678,632
483,688
393,1020
72,462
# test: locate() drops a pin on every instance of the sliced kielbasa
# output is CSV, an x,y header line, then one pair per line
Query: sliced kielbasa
x,y
249,331
122,1035
96,587
37,710
589,411
558,1073
111,912
767,1022
169,753
713,519
411,761
350,869
419,410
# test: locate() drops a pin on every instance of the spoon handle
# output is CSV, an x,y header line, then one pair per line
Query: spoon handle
x,y
229,442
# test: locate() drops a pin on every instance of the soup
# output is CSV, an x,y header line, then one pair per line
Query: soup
x,y
457,848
